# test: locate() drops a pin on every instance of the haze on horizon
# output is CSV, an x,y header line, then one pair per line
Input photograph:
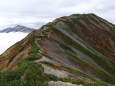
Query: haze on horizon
x,y
35,13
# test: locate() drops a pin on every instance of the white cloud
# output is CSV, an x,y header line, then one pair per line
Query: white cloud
x,y
29,21
8,39
30,11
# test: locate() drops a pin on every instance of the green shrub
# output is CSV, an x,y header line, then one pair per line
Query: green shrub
x,y
36,83
33,73
33,51
12,83
33,56
49,77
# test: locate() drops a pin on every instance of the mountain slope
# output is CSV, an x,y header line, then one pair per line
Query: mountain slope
x,y
18,28
79,48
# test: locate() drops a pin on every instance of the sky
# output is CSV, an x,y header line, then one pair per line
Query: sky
x,y
35,13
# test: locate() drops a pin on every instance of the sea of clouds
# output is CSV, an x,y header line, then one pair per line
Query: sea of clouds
x,y
8,39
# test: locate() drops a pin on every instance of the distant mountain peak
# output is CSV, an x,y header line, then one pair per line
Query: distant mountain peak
x,y
18,28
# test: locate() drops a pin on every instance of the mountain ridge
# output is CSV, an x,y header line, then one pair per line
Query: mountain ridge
x,y
18,28
76,44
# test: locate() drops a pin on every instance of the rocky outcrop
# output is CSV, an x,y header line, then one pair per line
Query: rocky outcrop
x,y
56,72
60,83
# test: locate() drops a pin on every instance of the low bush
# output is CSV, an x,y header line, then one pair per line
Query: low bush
x,y
33,56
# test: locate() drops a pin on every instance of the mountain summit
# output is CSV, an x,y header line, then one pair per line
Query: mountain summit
x,y
76,50
18,28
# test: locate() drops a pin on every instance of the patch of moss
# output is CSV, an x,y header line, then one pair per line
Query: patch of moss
x,y
12,83
1,56
36,83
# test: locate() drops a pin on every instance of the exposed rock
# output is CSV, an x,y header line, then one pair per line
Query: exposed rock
x,y
56,72
60,83
43,59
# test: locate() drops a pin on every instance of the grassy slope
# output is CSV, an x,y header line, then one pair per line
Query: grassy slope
x,y
29,73
102,62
